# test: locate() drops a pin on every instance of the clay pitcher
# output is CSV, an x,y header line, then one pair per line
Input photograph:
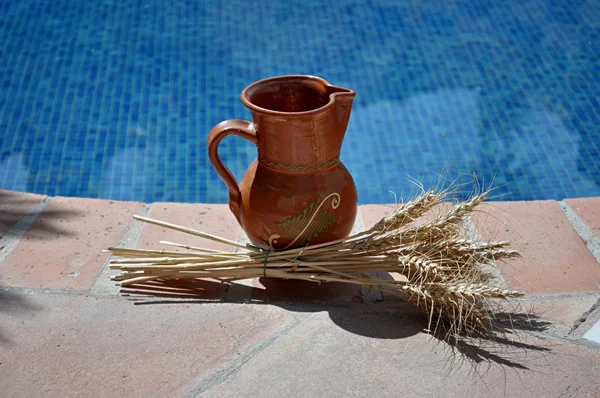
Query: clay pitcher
x,y
297,192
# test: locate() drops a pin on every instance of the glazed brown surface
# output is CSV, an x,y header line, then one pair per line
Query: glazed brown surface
x,y
296,192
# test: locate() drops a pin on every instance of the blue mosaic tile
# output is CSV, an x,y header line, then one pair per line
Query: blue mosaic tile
x,y
115,99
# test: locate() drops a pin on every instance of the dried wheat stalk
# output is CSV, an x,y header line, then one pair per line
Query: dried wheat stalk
x,y
445,274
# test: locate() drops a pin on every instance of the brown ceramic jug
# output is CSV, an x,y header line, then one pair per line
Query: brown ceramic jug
x,y
297,192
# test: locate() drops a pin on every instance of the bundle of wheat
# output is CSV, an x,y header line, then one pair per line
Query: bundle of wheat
x,y
446,275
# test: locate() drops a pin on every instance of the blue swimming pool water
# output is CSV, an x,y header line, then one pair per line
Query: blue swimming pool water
x,y
114,99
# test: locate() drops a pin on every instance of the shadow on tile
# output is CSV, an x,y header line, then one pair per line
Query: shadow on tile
x,y
178,289
273,290
505,346
13,303
342,301
12,205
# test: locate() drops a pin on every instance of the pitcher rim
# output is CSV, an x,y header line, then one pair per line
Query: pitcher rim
x,y
266,111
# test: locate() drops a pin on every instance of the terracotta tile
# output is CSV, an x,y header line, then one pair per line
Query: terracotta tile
x,y
63,247
371,214
588,209
13,206
554,259
215,219
78,346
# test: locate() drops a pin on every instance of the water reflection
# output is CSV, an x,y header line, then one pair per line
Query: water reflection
x,y
443,132
418,138
13,172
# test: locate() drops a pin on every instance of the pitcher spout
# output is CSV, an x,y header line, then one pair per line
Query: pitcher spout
x,y
340,90
342,99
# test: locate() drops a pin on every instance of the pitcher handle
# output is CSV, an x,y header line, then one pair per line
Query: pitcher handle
x,y
241,128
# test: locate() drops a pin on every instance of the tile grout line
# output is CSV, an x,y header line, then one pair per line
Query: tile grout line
x,y
213,379
585,233
11,238
103,285
583,324
582,319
